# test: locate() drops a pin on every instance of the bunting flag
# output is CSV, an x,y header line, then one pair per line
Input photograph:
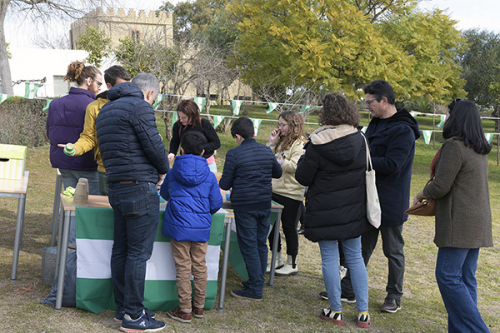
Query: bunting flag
x,y
363,129
174,119
256,125
4,97
305,108
94,288
158,101
200,101
217,120
30,89
441,124
489,137
235,106
413,113
271,108
46,107
427,136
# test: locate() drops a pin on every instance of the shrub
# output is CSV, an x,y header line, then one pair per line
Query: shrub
x,y
23,122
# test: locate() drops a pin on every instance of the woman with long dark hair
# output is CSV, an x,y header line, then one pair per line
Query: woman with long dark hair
x,y
463,214
334,167
189,119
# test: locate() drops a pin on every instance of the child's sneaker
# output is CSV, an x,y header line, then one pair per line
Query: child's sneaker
x,y
197,312
336,317
179,315
119,315
142,324
246,294
363,320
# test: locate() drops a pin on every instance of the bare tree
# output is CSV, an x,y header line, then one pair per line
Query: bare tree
x,y
37,10
49,39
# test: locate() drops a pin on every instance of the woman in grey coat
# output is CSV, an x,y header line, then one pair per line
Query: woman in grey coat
x,y
463,214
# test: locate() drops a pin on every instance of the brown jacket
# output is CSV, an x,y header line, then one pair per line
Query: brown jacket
x,y
460,188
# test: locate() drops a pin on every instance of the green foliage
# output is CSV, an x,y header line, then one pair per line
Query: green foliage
x,y
9,55
480,64
156,59
96,44
191,18
334,45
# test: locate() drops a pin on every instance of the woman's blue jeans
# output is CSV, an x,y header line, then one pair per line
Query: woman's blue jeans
x,y
330,264
456,278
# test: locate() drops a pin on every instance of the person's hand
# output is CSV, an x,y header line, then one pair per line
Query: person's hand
x,y
273,136
171,158
418,198
161,177
281,162
69,149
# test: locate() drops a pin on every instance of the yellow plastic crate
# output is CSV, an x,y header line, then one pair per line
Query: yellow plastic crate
x,y
12,161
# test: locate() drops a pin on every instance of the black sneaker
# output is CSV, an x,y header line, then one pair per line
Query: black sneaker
x,y
348,298
142,324
246,294
391,305
300,231
119,315
323,295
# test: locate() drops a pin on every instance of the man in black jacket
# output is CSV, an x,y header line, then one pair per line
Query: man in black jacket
x,y
391,135
135,160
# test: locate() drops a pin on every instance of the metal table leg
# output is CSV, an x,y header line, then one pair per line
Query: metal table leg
x,y
275,247
62,259
19,235
225,260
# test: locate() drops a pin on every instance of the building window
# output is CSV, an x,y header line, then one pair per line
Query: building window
x,y
135,35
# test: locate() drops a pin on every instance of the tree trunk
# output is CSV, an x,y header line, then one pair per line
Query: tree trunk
x,y
5,76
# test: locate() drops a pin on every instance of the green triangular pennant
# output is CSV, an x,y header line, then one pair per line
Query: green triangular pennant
x,y
158,100
256,125
200,101
427,136
46,107
235,106
271,108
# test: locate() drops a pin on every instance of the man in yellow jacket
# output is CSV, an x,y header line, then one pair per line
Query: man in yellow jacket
x,y
88,139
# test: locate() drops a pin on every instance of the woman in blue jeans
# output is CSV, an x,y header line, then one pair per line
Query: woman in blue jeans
x,y
463,214
334,169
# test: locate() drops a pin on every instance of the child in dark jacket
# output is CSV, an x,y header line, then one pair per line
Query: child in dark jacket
x,y
193,195
248,170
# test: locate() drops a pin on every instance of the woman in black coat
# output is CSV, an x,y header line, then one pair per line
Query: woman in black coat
x,y
334,169
188,114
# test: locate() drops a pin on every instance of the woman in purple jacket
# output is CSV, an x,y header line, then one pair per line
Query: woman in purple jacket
x,y
65,123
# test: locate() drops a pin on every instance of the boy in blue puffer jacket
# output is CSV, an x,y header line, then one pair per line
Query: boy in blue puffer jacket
x,y
193,195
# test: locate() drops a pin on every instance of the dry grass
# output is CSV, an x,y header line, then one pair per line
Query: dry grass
x,y
291,305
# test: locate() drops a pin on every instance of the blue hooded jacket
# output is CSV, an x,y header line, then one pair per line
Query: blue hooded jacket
x,y
192,195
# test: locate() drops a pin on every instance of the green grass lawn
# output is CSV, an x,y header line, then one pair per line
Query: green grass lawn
x,y
291,305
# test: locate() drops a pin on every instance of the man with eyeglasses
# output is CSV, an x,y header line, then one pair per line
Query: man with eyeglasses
x,y
391,135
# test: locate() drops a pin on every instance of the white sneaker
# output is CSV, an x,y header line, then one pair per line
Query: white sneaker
x,y
279,263
288,269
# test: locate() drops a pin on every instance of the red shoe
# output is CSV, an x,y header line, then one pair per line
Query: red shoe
x,y
197,312
179,315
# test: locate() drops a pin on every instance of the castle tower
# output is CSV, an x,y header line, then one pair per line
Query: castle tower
x,y
119,24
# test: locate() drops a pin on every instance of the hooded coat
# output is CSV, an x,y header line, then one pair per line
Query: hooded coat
x,y
192,195
130,145
392,148
334,168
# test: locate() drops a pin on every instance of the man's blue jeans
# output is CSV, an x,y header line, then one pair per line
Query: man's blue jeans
x,y
330,264
136,209
456,278
252,229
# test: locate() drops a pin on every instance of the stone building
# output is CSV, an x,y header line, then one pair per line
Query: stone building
x,y
117,25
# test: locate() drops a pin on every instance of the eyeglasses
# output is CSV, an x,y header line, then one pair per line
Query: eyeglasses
x,y
99,83
370,101
282,125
